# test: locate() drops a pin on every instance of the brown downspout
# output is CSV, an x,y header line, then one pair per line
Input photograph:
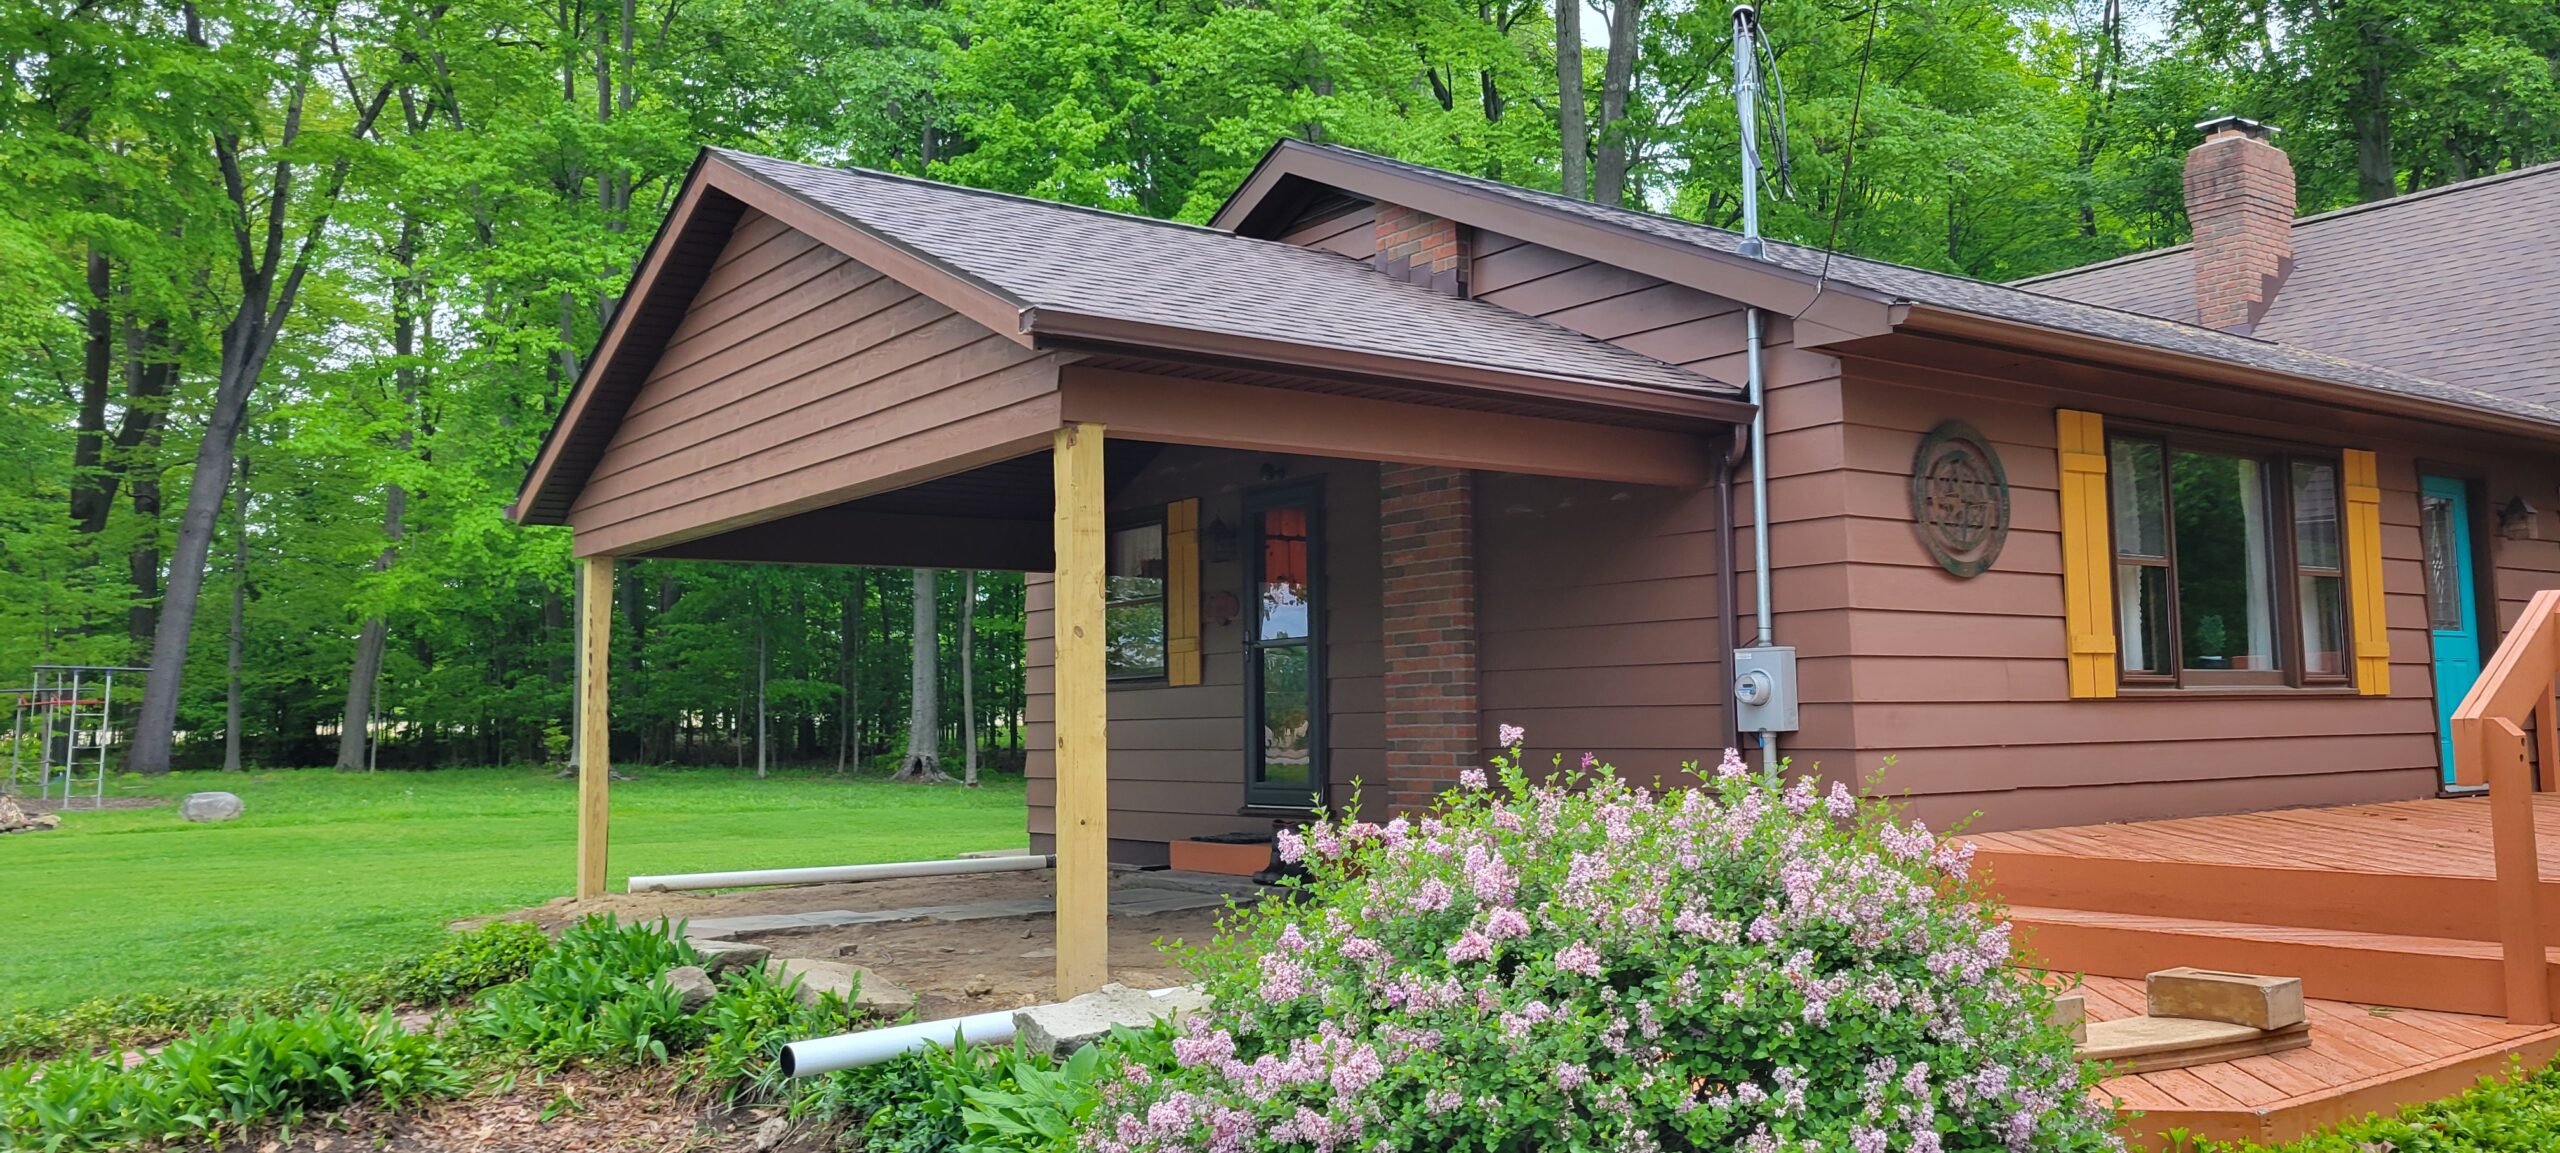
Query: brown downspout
x,y
1728,459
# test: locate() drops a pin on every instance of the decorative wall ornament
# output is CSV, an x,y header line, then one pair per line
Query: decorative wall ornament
x,y
1959,498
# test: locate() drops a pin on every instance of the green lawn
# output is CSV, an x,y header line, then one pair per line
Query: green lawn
x,y
332,870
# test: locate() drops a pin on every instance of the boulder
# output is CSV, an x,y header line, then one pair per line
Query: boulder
x,y
202,807
722,956
17,820
693,987
868,992
1069,1025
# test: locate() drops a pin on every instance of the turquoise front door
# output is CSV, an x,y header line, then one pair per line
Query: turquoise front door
x,y
2444,526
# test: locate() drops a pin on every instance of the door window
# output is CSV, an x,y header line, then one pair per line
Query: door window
x,y
1284,680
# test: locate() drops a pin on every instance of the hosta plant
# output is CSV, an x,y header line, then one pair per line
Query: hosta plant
x,y
1576,963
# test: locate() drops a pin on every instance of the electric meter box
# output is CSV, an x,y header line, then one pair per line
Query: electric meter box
x,y
1764,688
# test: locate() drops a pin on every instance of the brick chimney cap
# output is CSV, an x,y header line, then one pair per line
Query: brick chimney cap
x,y
2242,125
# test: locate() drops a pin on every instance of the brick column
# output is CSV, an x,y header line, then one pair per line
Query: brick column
x,y
1422,249
1427,545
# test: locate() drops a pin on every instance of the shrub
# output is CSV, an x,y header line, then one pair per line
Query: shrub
x,y
1578,964
242,1072
594,996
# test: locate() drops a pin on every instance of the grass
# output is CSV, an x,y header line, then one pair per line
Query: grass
x,y
335,870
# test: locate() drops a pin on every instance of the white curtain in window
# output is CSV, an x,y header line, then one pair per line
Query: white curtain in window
x,y
2262,612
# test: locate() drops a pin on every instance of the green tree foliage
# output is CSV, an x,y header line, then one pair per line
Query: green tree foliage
x,y
477,178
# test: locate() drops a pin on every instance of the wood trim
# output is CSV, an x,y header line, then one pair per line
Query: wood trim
x,y
1141,406
595,728
1079,733
1182,592
1060,328
2088,586
2364,573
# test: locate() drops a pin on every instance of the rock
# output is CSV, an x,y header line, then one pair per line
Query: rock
x,y
848,949
693,987
770,1134
45,821
1040,954
203,807
722,956
867,991
978,986
1069,1025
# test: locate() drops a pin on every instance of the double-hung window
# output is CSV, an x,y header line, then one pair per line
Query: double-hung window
x,y
1133,606
2229,567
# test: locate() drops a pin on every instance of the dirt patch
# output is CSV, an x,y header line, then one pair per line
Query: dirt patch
x,y
628,1110
86,805
953,967
960,967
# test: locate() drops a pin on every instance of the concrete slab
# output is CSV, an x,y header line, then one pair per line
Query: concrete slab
x,y
1125,902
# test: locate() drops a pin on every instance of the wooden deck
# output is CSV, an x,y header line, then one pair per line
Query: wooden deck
x,y
2386,912
2361,1060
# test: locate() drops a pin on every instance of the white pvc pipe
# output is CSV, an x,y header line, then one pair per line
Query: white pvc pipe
x,y
751,878
871,1047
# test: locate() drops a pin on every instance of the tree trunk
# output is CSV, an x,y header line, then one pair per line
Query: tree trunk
x,y
2376,179
1617,77
270,280
239,616
968,678
849,676
764,670
923,761
90,496
1573,131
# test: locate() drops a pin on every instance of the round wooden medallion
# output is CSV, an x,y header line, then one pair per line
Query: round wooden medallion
x,y
1959,498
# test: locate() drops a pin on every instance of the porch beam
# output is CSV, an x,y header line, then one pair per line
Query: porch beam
x,y
595,730
1253,418
1080,736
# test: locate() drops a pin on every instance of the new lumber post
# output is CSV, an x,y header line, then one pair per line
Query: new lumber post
x,y
1083,804
595,730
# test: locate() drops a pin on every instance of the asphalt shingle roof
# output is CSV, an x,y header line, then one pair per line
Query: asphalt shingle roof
x,y
2044,306
2458,283
1045,255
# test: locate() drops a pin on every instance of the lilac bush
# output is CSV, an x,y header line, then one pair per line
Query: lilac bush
x,y
1576,963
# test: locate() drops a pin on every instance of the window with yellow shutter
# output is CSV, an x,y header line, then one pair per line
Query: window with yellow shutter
x,y
2226,562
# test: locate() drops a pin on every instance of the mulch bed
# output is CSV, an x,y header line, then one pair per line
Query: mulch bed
x,y
622,1111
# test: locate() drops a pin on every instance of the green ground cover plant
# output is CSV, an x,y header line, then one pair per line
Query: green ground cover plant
x,y
341,872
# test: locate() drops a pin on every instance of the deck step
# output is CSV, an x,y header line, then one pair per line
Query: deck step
x,y
2414,972
2392,904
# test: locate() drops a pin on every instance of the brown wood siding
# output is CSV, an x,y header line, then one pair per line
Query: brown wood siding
x,y
800,378
1596,608
1963,683
1177,753
1705,334
1353,234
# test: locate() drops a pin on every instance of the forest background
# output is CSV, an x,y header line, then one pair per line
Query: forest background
x,y
291,289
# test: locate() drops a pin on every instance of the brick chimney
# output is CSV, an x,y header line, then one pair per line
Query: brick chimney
x,y
1422,249
2240,202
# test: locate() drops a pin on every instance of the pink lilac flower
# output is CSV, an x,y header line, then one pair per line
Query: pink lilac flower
x,y
1579,957
1431,897
1590,761
1511,736
1293,846
1470,946
1506,924
1472,778
1840,804
1571,1076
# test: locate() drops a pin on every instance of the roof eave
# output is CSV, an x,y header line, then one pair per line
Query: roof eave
x,y
1935,320
1061,328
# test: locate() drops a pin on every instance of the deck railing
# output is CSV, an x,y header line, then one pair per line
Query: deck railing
x,y
2490,748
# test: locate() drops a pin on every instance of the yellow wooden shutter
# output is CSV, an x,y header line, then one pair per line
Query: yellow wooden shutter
x,y
2088,565
2364,574
1182,593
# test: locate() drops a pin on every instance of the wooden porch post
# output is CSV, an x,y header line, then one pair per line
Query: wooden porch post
x,y
595,731
1083,804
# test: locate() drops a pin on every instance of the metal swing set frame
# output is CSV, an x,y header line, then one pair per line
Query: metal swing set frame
x,y
68,711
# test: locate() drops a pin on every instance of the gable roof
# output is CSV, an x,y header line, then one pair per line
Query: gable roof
x,y
1049,275
2452,283
1848,297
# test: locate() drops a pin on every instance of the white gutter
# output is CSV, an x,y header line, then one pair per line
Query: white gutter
x,y
752,878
